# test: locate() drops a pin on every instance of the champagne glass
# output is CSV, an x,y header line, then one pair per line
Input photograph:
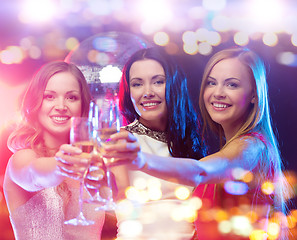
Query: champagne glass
x,y
96,168
80,137
109,123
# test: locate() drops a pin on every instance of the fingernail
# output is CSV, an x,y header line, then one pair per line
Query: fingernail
x,y
78,151
84,160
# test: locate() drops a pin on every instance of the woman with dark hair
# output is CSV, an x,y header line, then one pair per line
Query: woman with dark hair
x,y
234,104
155,102
40,191
180,124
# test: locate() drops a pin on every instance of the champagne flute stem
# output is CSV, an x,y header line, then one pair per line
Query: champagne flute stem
x,y
109,181
81,191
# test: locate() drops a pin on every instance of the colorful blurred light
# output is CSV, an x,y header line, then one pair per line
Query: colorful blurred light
x,y
267,188
241,38
182,193
241,225
266,15
71,43
258,235
12,55
270,39
214,5
37,11
221,23
190,49
273,230
161,38
204,48
236,188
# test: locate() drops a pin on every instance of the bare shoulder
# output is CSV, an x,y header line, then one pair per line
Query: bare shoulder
x,y
247,142
246,149
14,194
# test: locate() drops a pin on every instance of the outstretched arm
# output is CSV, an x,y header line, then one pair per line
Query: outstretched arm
x,y
242,152
33,173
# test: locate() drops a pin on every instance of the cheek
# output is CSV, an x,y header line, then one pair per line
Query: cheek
x,y
135,96
77,109
206,95
244,100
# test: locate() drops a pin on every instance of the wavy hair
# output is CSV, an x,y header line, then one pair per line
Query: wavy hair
x,y
28,133
258,119
183,124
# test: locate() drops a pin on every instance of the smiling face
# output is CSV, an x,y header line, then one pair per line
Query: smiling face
x,y
228,94
147,90
61,101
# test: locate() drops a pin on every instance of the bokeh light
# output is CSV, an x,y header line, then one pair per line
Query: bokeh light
x,y
37,11
161,38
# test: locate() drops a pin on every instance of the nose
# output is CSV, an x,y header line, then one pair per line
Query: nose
x,y
60,105
148,92
219,92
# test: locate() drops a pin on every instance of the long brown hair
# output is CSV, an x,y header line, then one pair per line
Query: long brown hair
x,y
28,133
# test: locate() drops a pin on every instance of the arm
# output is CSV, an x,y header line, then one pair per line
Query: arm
x,y
242,152
33,173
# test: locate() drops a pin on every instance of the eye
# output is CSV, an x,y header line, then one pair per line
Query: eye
x,y
159,82
135,84
48,96
210,83
73,98
232,85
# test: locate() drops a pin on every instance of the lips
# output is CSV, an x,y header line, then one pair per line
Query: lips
x,y
150,104
60,119
220,106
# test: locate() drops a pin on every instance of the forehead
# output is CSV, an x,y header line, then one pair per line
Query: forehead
x,y
146,66
231,67
63,81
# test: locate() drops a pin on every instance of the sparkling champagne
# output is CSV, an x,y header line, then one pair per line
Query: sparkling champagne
x,y
104,135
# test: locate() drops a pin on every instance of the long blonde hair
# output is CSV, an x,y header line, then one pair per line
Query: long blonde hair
x,y
258,119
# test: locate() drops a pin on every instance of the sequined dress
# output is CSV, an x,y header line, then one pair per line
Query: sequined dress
x,y
152,216
42,217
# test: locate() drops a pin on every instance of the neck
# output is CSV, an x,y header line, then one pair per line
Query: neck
x,y
229,131
53,143
155,125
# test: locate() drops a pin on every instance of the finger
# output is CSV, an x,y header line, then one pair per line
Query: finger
x,y
116,156
69,149
124,135
67,173
71,160
123,146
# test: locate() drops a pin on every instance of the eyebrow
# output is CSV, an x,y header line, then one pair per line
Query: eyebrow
x,y
154,77
227,79
71,91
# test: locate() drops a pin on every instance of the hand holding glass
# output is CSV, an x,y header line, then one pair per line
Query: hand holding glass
x,y
109,123
80,137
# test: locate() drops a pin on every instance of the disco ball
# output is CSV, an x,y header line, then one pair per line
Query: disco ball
x,y
102,57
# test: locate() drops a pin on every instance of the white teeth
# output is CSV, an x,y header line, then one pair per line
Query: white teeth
x,y
219,105
60,119
149,104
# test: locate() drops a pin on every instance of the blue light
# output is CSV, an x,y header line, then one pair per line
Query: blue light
x,y
236,188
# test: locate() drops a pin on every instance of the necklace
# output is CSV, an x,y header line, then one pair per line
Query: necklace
x,y
139,128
